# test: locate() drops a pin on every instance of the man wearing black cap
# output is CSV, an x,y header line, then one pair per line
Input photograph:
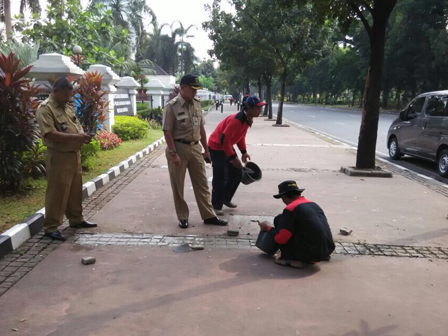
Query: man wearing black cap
x,y
302,230
227,167
183,127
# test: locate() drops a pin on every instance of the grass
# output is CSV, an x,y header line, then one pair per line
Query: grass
x,y
14,209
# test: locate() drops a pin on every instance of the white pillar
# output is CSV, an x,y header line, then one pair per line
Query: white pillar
x,y
129,85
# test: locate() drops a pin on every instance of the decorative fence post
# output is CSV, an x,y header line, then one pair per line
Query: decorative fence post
x,y
126,94
50,67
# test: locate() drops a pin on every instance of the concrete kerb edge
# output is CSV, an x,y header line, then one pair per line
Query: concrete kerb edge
x,y
13,238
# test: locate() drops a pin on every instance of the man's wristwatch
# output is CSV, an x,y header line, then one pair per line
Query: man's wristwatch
x,y
172,152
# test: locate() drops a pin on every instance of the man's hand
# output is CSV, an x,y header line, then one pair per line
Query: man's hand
x,y
83,138
237,163
176,160
207,157
264,226
245,157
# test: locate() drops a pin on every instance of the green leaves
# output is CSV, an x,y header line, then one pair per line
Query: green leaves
x,y
70,25
18,126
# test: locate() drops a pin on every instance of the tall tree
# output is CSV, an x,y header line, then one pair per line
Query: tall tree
x,y
184,46
6,11
374,15
33,5
287,37
129,14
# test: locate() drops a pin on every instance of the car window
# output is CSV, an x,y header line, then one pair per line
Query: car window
x,y
437,106
415,108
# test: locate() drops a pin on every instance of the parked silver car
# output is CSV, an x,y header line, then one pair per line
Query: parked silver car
x,y
421,130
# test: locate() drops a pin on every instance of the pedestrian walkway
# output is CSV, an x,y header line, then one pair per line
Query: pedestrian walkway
x,y
387,277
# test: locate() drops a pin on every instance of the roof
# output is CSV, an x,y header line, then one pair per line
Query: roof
x,y
157,69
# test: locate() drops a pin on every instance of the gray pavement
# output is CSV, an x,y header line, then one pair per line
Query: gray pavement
x,y
140,286
344,124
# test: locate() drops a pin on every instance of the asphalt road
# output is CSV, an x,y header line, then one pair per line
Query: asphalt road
x,y
344,125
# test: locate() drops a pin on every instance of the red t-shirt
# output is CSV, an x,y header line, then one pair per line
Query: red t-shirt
x,y
229,132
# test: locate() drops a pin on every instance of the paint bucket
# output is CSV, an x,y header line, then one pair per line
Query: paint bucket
x,y
251,173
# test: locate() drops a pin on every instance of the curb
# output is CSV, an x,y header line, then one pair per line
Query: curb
x,y
11,239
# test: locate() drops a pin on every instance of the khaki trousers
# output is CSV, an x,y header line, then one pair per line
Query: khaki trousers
x,y
64,189
192,160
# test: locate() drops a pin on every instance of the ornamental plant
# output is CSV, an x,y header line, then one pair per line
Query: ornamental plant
x,y
174,92
130,128
18,126
91,105
108,140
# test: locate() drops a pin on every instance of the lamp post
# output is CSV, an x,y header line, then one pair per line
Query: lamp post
x,y
77,50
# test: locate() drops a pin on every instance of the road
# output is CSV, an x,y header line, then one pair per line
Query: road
x,y
344,125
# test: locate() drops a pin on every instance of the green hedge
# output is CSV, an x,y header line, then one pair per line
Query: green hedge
x,y
130,128
207,103
150,113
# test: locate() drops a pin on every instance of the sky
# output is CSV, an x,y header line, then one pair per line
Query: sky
x,y
189,12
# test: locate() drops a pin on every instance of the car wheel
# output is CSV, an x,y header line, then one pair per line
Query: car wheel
x,y
394,150
442,163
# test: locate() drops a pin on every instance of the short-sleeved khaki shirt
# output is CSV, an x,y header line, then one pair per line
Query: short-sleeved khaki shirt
x,y
54,117
183,119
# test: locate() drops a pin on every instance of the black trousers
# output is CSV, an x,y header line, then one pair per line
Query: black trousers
x,y
226,179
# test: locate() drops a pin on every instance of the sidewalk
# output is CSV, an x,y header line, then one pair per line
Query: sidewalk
x,y
139,286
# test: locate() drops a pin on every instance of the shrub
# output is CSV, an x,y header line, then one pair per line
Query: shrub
x,y
108,140
130,128
18,127
88,152
207,103
33,161
154,124
143,113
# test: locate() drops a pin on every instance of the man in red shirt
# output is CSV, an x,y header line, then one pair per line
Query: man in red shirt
x,y
227,167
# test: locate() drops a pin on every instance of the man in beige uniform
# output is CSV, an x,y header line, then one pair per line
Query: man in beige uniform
x,y
183,127
63,135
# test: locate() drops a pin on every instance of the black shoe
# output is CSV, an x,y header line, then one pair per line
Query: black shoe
x,y
230,205
56,235
85,225
183,223
215,221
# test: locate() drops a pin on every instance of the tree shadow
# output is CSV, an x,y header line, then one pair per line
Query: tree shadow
x,y
366,330
248,268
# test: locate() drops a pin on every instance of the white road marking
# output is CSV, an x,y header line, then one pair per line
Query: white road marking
x,y
339,123
311,116
355,147
354,116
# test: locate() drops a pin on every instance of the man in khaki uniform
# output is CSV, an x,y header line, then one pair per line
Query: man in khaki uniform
x,y
63,135
183,127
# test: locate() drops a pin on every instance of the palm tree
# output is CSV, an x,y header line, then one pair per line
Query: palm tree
x,y
5,12
33,5
129,14
184,46
6,17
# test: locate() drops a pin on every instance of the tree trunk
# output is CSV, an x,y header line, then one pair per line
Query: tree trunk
x,y
259,88
8,23
353,98
385,97
365,158
268,106
282,97
398,100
